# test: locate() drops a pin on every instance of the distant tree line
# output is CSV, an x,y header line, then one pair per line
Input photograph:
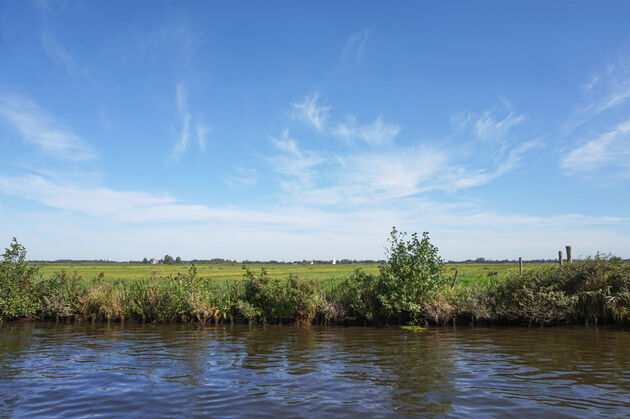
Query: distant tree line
x,y
169,260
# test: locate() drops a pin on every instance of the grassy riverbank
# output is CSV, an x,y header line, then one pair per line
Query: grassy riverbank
x,y
413,287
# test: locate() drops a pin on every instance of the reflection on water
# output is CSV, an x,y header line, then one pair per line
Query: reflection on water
x,y
137,370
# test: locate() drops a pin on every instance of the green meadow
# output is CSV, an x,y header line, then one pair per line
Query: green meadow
x,y
469,274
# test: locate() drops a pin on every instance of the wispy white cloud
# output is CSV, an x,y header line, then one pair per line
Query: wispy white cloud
x,y
399,172
377,133
202,134
370,179
582,151
356,43
286,143
618,95
605,95
243,177
490,128
606,90
461,120
298,167
311,111
138,207
101,202
201,129
592,82
44,130
462,178
376,177
610,150
62,56
182,108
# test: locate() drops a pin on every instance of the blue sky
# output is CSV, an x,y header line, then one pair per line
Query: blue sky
x,y
288,130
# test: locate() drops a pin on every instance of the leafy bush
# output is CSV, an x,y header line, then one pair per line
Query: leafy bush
x,y
412,276
261,299
272,300
149,300
357,294
534,298
599,288
16,283
304,299
590,290
65,296
56,295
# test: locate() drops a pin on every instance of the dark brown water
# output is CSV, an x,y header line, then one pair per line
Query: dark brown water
x,y
147,371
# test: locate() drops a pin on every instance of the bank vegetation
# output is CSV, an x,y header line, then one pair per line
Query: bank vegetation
x,y
411,288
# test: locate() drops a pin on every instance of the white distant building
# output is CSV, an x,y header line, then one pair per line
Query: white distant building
x,y
311,262
155,261
334,261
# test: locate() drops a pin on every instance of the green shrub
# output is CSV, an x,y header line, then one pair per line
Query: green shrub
x,y
599,288
595,290
411,277
17,293
357,294
262,297
275,300
65,296
149,301
56,295
304,299
534,298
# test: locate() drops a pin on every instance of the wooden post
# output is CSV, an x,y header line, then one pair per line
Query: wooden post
x,y
520,266
455,279
569,256
560,257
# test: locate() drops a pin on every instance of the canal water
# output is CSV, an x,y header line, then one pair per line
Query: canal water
x,y
145,371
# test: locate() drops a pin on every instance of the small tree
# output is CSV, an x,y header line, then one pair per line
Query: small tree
x,y
411,276
16,287
168,259
178,260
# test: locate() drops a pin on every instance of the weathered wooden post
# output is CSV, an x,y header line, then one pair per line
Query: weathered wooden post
x,y
455,279
569,256
520,266
560,257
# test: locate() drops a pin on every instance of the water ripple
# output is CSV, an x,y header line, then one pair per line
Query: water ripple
x,y
160,371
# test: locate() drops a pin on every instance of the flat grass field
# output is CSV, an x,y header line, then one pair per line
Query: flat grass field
x,y
468,273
